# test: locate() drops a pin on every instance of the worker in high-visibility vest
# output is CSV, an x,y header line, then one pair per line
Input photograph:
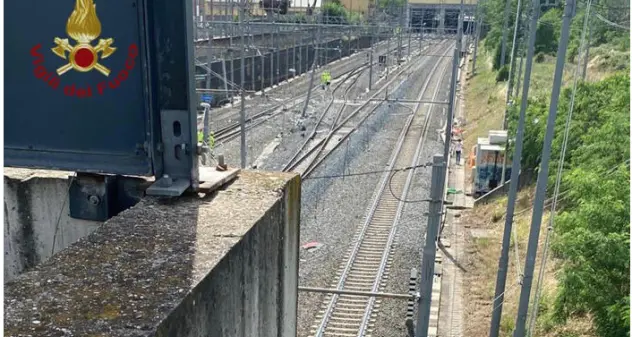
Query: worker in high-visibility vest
x,y
325,79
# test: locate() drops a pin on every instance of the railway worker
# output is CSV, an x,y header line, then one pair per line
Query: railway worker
x,y
325,79
457,149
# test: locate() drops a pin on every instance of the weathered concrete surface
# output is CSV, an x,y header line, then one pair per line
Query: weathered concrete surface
x,y
220,265
36,218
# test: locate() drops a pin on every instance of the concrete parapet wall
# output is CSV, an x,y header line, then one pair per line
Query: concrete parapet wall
x,y
36,218
221,265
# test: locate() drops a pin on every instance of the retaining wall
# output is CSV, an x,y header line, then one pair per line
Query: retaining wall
x,y
36,218
221,265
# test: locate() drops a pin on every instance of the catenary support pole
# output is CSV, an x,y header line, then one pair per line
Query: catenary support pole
x,y
271,57
479,22
587,53
388,48
430,248
453,80
437,193
400,28
232,59
209,57
543,174
242,110
558,179
371,57
508,100
225,79
278,54
503,261
512,66
503,43
517,87
408,27
311,75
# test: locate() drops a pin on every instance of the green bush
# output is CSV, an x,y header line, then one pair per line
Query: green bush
x,y
507,324
503,74
548,32
497,57
540,57
593,229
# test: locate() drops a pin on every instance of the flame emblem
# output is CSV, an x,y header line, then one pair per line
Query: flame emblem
x,y
83,26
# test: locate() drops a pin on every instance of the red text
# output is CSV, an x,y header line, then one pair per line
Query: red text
x,y
40,72
130,62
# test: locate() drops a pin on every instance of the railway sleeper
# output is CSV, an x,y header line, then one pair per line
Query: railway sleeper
x,y
358,284
371,243
359,288
348,311
373,265
362,277
359,300
378,238
371,253
340,334
369,257
363,269
345,321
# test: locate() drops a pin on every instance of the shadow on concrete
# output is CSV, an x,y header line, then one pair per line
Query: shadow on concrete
x,y
215,265
450,257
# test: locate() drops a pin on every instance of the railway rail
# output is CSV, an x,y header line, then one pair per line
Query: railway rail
x,y
291,163
367,261
309,158
229,132
224,127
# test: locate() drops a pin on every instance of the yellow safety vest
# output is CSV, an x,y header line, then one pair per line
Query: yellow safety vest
x,y
325,77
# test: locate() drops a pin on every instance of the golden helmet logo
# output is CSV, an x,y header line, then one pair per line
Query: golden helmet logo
x,y
83,26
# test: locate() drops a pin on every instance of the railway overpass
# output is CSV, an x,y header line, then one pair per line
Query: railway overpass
x,y
440,14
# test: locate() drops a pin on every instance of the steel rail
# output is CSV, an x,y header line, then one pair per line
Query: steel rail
x,y
227,132
317,161
320,145
387,250
370,219
320,119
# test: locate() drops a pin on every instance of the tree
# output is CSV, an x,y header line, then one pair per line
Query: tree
x,y
548,31
593,231
593,244
391,7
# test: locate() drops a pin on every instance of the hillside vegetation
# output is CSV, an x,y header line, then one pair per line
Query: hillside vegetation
x,y
587,284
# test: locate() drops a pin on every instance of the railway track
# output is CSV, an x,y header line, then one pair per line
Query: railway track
x,y
232,131
225,116
291,163
367,261
307,159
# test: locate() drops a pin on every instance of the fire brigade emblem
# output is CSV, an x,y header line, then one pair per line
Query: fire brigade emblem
x,y
83,26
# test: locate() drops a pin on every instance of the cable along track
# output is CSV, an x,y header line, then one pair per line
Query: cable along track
x,y
367,261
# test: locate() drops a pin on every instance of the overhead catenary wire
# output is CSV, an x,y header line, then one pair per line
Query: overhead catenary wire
x,y
608,22
335,176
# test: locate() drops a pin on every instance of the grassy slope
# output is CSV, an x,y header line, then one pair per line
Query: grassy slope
x,y
484,112
485,99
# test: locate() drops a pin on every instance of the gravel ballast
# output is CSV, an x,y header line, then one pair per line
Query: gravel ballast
x,y
333,208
